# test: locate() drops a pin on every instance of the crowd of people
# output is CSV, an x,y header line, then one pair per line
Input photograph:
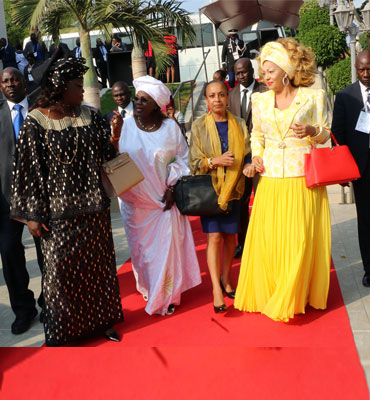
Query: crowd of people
x,y
254,137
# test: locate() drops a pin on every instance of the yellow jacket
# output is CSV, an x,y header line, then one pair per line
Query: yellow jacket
x,y
282,153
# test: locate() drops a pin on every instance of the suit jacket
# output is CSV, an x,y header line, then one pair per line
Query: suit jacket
x,y
282,153
347,107
228,48
98,55
7,149
8,57
29,49
235,107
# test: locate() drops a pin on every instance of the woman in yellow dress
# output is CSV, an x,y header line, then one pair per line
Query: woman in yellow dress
x,y
286,257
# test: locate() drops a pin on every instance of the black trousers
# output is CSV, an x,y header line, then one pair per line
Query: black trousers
x,y
103,72
14,266
362,198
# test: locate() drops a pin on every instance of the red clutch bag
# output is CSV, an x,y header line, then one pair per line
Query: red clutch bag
x,y
329,166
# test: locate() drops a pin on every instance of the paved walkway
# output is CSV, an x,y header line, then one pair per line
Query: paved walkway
x,y
345,252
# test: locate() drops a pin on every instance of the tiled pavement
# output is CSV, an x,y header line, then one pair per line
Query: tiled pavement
x,y
345,253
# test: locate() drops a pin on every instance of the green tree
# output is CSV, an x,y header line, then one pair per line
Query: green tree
x,y
364,40
144,20
327,42
15,35
308,5
312,18
339,75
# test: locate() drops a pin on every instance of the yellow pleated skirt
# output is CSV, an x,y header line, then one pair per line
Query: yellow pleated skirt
x,y
286,257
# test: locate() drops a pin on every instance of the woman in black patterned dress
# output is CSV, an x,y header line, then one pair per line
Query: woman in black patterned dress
x,y
57,189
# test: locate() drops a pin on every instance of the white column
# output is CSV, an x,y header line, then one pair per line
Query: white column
x,y
2,21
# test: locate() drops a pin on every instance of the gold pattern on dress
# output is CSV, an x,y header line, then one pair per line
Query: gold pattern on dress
x,y
167,284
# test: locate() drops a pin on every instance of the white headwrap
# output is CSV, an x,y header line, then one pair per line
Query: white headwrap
x,y
276,53
154,88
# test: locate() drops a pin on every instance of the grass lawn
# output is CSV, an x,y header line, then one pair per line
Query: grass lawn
x,y
107,103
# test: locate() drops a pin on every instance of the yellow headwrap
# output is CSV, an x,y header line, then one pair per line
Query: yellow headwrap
x,y
276,53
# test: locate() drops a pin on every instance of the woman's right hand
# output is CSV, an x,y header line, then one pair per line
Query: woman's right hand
x,y
226,160
36,228
258,163
116,124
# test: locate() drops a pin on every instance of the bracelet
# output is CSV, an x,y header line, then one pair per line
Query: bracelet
x,y
210,164
114,139
318,131
171,188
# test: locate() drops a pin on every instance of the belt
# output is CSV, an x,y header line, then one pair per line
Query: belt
x,y
288,142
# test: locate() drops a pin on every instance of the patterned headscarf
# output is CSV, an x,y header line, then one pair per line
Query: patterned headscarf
x,y
276,53
65,70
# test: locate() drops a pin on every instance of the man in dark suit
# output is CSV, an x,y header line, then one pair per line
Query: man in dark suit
x,y
349,103
76,52
122,97
232,49
100,55
240,104
13,111
7,54
38,49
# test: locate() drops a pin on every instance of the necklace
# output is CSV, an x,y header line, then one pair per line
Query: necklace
x,y
75,141
149,128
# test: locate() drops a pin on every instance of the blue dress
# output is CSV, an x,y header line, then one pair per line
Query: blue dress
x,y
223,223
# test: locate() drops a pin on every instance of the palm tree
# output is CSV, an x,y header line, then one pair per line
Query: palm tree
x,y
144,20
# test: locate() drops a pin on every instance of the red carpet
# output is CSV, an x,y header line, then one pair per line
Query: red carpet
x,y
196,354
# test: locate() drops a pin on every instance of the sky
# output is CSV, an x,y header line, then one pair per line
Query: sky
x,y
194,5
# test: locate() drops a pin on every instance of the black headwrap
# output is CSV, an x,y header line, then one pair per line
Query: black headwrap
x,y
65,70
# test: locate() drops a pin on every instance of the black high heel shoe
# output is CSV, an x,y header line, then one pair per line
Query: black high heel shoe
x,y
220,309
112,334
230,295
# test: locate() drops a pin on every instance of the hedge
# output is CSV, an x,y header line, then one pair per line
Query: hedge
x,y
339,75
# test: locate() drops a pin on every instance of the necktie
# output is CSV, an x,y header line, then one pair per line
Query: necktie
x,y
18,120
368,100
123,113
244,103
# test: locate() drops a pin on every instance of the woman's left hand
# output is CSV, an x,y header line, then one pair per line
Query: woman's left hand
x,y
168,198
303,130
249,170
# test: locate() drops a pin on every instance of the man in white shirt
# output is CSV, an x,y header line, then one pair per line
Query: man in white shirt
x,y
241,106
13,111
122,97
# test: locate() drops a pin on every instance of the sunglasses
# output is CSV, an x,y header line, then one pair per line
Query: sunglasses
x,y
142,99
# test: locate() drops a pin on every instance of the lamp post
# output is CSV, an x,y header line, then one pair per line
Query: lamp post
x,y
344,18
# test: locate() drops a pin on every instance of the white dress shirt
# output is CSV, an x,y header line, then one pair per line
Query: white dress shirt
x,y
129,110
249,93
364,94
24,111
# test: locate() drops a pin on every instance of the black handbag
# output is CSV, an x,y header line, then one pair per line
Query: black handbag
x,y
195,196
